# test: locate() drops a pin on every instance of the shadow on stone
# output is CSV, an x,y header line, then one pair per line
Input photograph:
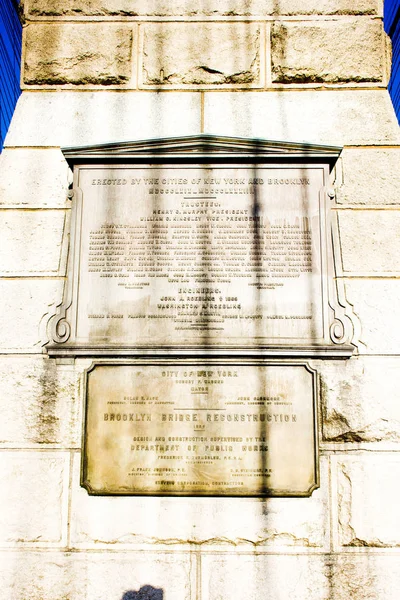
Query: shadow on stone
x,y
146,592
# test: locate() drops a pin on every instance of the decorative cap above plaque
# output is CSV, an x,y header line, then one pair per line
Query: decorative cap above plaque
x,y
202,245
201,145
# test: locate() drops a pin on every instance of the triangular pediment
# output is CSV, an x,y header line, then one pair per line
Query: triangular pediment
x,y
200,146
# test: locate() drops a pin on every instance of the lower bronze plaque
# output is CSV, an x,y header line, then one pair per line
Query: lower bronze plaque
x,y
200,428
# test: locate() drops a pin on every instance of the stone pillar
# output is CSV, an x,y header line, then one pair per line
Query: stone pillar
x,y
97,71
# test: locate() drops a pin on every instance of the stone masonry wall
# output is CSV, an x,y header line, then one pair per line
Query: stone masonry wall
x,y
96,71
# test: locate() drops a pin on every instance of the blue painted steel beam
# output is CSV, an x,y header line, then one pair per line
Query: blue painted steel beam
x,y
392,27
10,63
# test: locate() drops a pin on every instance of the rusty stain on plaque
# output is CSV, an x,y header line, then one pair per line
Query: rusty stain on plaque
x,y
200,428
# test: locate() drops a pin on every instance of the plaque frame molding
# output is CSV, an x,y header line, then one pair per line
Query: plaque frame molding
x,y
210,150
198,361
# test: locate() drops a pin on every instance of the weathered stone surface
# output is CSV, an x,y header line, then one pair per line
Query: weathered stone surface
x,y
339,117
369,176
276,523
187,8
80,118
361,400
330,51
269,577
33,179
375,303
367,577
201,54
39,403
33,497
24,311
77,54
370,240
367,509
106,576
327,7
363,576
32,242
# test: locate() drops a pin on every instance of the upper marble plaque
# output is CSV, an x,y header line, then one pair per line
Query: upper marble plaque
x,y
202,243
